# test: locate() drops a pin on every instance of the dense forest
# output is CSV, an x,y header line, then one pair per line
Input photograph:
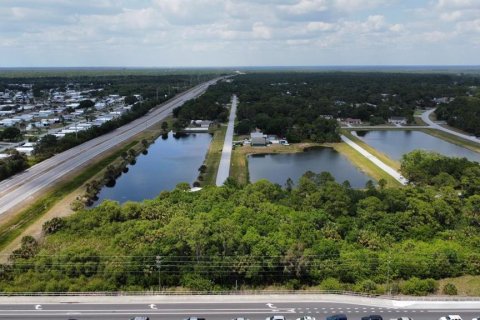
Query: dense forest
x,y
305,106
316,233
212,105
462,113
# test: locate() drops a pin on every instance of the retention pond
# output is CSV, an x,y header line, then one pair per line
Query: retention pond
x,y
396,143
277,168
167,163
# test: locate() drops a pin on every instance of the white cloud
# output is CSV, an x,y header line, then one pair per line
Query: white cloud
x,y
260,31
319,26
305,7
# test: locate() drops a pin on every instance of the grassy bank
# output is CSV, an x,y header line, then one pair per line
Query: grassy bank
x,y
14,226
453,139
383,157
364,165
212,159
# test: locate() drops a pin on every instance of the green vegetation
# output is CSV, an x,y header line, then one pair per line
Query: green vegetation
x,y
212,159
319,233
10,134
212,105
16,162
15,226
462,113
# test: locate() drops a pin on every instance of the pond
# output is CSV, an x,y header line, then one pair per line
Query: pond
x,y
396,143
277,168
167,163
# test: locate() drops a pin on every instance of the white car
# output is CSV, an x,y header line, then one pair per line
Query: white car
x,y
306,318
451,317
276,318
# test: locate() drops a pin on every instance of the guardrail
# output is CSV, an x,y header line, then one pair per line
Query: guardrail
x,y
243,292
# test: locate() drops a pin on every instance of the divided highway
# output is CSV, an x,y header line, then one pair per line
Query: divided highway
x,y
229,307
22,187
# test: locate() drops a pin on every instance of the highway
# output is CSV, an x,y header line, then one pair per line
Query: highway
x,y
22,187
229,307
432,124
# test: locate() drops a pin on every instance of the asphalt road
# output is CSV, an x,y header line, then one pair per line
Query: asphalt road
x,y
224,166
426,119
21,187
228,310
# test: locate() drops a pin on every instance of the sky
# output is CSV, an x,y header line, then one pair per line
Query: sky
x,y
201,33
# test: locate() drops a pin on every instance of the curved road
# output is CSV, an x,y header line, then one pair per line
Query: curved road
x,y
228,307
426,119
21,187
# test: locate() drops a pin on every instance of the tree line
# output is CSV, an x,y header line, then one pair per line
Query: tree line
x,y
462,113
315,233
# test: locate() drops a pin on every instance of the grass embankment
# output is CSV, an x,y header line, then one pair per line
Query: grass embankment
x,y
453,139
381,156
212,159
364,165
466,285
13,227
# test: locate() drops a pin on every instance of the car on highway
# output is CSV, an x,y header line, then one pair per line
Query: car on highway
x,y
276,317
240,318
451,317
337,317
306,318
477,318
195,318
402,318
140,318
372,317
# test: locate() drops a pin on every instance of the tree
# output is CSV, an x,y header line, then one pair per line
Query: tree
x,y
11,133
164,126
86,104
129,100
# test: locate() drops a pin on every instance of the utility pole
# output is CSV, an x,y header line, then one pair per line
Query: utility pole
x,y
158,262
389,287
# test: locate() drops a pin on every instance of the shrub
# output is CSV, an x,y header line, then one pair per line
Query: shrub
x,y
419,287
331,284
52,226
367,286
450,289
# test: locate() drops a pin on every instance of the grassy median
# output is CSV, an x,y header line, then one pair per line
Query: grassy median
x,y
212,159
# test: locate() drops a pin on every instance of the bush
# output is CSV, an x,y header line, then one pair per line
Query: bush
x,y
196,283
52,226
450,289
418,287
331,284
367,286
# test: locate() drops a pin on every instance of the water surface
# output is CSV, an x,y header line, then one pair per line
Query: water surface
x,y
277,168
167,163
396,143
